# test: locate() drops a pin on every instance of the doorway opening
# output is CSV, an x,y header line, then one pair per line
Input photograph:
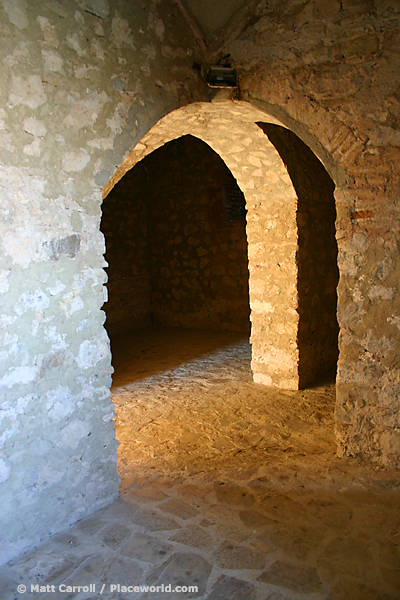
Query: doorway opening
x,y
175,233
178,307
316,256
176,244
174,225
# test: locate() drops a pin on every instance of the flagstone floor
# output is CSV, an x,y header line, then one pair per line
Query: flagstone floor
x,y
225,485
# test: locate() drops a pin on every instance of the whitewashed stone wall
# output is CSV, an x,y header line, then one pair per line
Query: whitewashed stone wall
x,y
80,84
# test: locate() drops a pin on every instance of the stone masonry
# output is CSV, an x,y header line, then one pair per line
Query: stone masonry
x,y
328,70
81,83
88,88
231,129
177,255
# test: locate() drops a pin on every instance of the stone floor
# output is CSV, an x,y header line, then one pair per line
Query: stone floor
x,y
225,485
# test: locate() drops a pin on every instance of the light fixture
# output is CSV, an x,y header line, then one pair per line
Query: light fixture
x,y
221,75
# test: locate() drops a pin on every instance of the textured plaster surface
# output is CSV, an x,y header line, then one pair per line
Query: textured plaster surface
x,y
80,83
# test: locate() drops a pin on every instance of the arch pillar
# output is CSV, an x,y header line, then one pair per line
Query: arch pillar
x,y
230,129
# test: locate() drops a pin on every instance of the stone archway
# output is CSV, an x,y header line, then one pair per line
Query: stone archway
x,y
231,130
176,244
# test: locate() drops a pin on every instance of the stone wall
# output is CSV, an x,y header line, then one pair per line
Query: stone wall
x,y
124,225
176,255
316,255
329,71
198,243
196,248
80,84
176,246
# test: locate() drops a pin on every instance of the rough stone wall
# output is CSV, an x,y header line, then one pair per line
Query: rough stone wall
x,y
316,255
79,85
329,71
124,225
82,82
168,222
199,256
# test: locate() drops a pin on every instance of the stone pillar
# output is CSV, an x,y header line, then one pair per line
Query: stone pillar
x,y
272,238
231,130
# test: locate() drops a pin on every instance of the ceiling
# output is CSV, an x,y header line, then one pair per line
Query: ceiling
x,y
212,15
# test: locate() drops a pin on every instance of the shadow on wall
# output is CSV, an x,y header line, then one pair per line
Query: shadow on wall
x,y
176,243
316,257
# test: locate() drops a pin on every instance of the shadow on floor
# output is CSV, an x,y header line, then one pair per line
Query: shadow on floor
x,y
227,485
145,352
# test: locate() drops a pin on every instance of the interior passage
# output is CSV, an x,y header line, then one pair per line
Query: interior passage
x,y
226,485
186,405
232,485
176,243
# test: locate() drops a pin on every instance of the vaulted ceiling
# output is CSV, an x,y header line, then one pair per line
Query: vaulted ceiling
x,y
212,15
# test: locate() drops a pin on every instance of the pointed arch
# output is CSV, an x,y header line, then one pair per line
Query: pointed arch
x,y
230,129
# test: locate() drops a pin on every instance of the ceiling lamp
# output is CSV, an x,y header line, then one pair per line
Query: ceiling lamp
x,y
221,75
